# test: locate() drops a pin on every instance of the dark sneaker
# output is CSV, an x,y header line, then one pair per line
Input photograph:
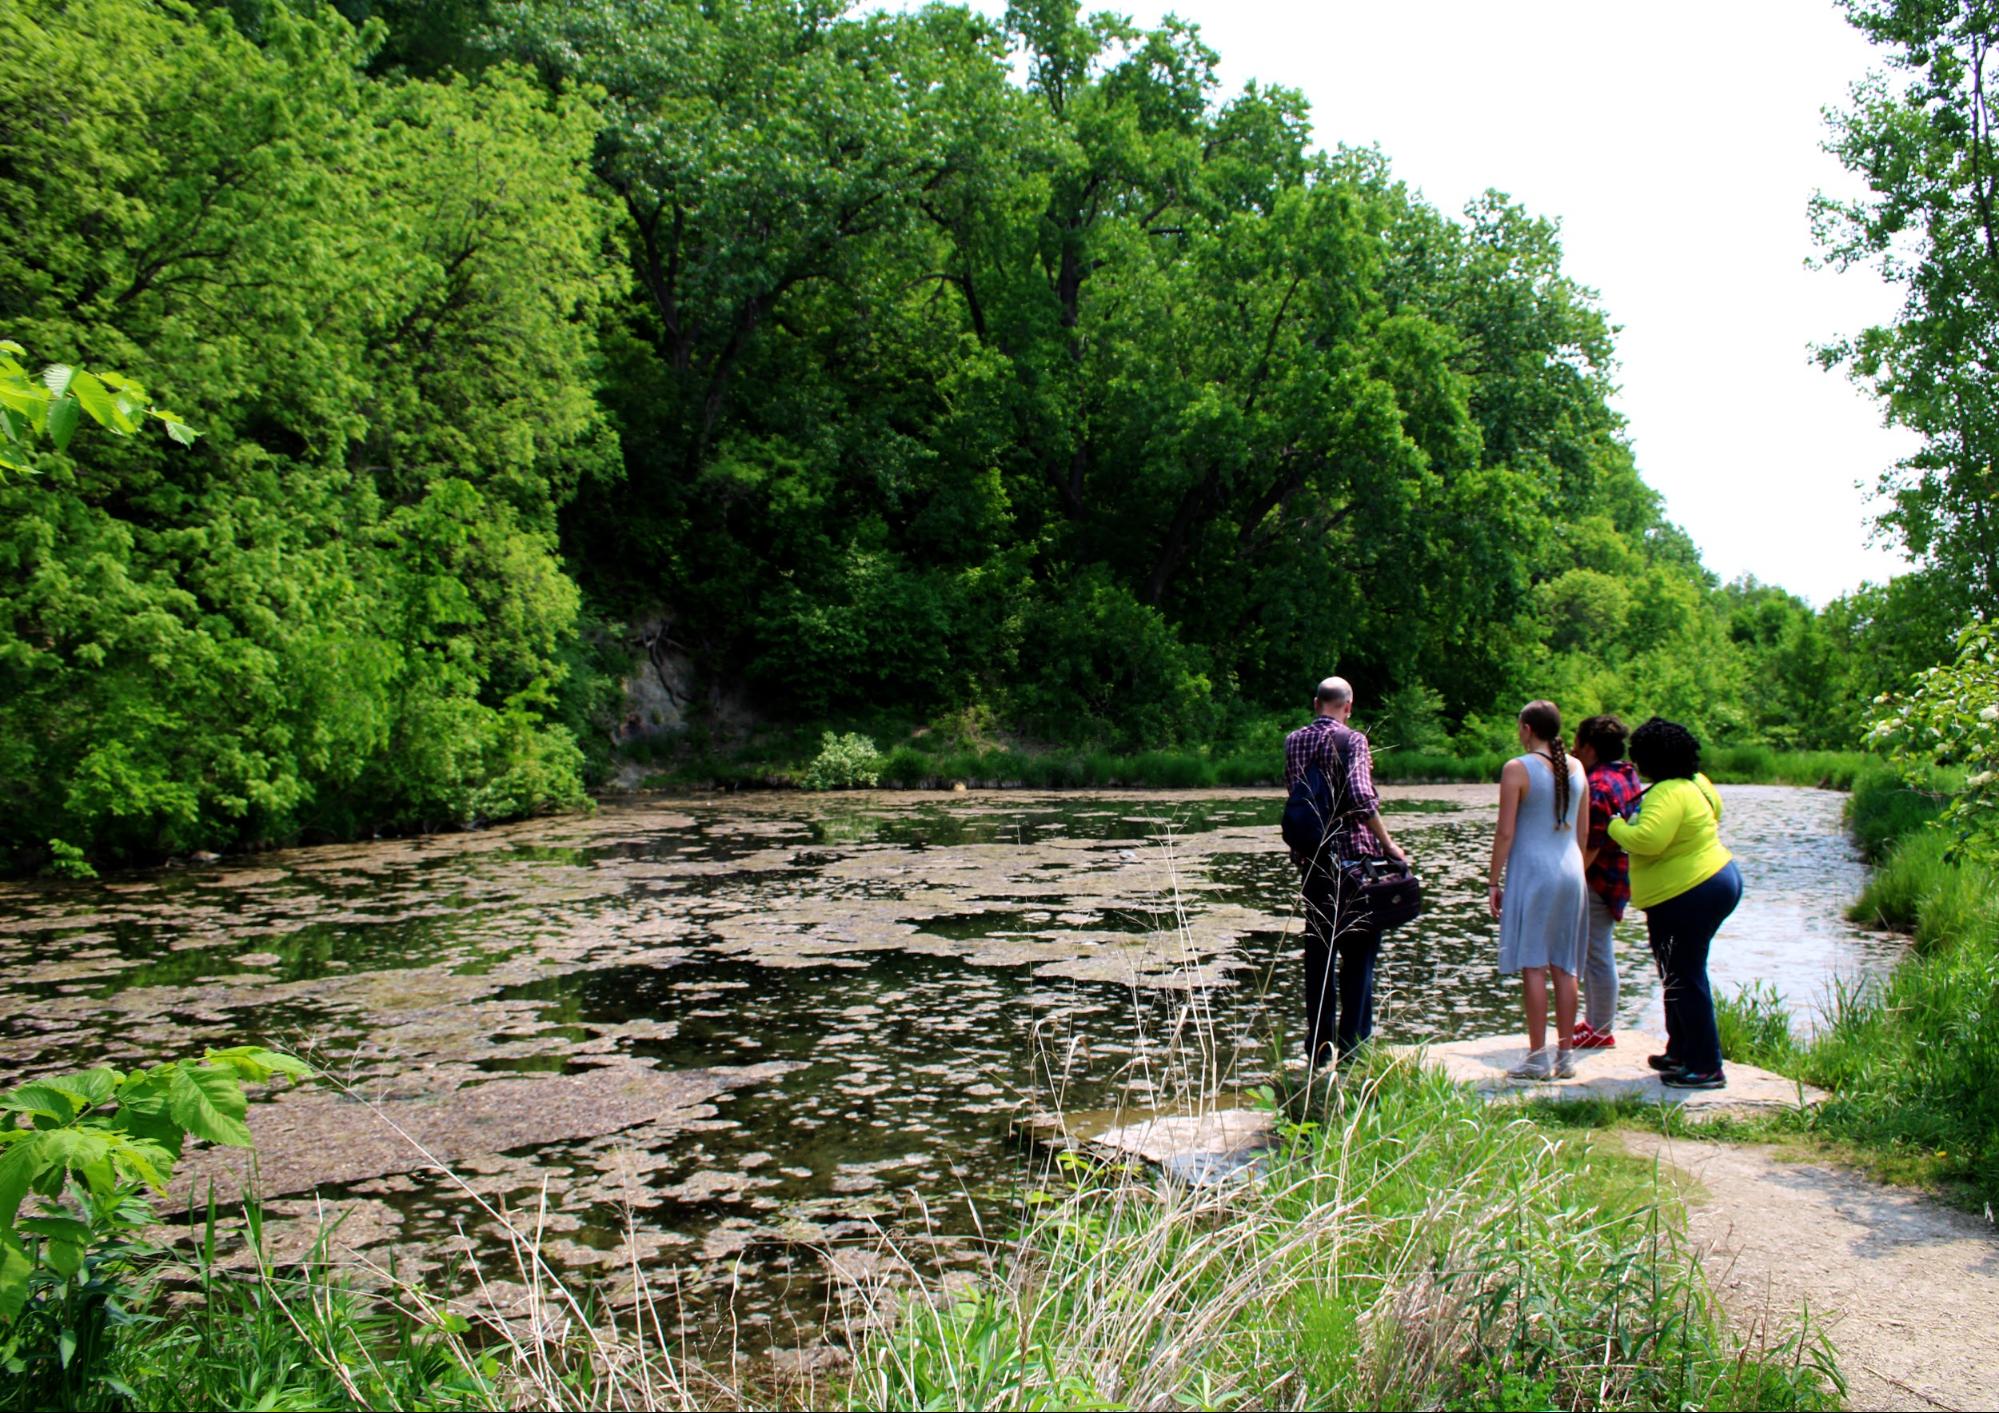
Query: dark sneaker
x,y
1664,1064
1681,1079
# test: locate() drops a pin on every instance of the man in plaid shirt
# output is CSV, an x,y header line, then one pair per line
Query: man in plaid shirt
x,y
1335,925
1613,791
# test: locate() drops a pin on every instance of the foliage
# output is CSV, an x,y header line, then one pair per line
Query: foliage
x,y
1950,719
79,1152
843,762
897,362
1909,1061
52,405
1921,137
343,609
1407,1245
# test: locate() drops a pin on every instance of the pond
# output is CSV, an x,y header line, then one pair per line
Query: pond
x,y
754,1033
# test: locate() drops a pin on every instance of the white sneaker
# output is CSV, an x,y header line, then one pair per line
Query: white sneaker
x,y
1535,1067
1565,1064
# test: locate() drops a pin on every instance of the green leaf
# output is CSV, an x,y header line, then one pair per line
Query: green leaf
x,y
57,1228
24,398
181,432
43,1097
78,1150
9,346
66,1346
65,1256
141,1158
209,1103
56,378
20,1165
15,1269
96,399
64,415
257,1064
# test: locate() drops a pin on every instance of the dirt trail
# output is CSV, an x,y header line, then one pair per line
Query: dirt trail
x,y
1906,1288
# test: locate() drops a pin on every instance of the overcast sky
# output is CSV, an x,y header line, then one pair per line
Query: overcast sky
x,y
1678,146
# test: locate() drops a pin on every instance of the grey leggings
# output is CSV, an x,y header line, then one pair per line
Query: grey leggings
x,y
1599,967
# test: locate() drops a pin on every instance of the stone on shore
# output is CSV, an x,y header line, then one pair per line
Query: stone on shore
x,y
1616,1073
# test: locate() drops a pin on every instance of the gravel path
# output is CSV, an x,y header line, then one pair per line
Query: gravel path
x,y
1906,1288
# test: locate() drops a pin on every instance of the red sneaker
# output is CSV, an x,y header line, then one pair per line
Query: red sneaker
x,y
1586,1039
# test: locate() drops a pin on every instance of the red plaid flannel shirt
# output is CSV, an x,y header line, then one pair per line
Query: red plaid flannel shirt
x,y
1613,788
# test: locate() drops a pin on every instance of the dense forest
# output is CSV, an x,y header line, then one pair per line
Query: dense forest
x,y
864,367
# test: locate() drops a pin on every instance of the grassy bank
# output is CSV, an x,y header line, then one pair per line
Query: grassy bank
x,y
1250,759
1412,1247
1912,1064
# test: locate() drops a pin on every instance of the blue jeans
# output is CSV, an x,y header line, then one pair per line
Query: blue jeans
x,y
1681,929
1337,929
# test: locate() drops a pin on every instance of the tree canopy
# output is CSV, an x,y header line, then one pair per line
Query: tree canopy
x,y
891,362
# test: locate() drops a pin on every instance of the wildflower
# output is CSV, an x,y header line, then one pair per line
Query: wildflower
x,y
1990,713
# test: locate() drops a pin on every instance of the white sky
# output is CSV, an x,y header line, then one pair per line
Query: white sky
x,y
1678,146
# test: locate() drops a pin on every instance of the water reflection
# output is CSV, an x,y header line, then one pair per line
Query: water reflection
x,y
759,1026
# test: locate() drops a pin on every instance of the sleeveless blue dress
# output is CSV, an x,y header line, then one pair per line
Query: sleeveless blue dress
x,y
1541,917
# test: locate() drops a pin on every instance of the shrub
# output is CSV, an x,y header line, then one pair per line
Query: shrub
x,y
83,1149
843,763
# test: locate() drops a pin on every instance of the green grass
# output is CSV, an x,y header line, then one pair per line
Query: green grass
x,y
1755,1027
1911,1064
1411,1247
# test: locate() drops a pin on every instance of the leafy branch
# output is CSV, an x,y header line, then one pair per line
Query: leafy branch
x,y
50,406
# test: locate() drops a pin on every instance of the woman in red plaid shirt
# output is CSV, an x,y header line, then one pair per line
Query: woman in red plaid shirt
x,y
1613,789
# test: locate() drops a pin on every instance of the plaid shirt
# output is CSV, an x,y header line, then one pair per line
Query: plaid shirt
x,y
1316,744
1613,789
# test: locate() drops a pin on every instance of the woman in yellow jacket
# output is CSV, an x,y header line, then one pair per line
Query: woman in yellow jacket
x,y
1687,883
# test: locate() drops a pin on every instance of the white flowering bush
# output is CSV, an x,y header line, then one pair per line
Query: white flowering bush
x,y
843,763
1950,718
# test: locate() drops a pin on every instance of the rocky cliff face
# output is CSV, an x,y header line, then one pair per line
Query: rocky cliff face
x,y
660,687
663,691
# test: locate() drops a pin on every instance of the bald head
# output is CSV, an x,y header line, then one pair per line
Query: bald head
x,y
1334,696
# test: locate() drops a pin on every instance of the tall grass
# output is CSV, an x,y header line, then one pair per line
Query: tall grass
x,y
1408,1247
1912,1063
1755,1028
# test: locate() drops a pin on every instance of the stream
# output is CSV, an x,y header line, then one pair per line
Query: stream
x,y
758,1047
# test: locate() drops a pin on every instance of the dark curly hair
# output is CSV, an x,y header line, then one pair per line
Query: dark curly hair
x,y
1605,734
1665,750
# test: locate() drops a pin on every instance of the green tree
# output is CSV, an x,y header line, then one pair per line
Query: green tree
x,y
1922,138
343,607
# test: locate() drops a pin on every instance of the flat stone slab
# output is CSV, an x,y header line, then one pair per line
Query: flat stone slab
x,y
1214,1146
1616,1073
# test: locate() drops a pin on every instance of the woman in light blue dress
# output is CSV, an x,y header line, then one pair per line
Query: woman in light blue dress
x,y
1537,890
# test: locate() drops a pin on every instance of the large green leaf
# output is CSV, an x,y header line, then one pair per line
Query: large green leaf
x,y
20,1164
64,416
15,1268
96,399
42,1097
209,1103
56,378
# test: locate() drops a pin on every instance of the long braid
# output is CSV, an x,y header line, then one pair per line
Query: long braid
x,y
1561,779
1544,720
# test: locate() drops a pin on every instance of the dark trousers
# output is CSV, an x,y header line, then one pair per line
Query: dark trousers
x,y
1337,930
1681,929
